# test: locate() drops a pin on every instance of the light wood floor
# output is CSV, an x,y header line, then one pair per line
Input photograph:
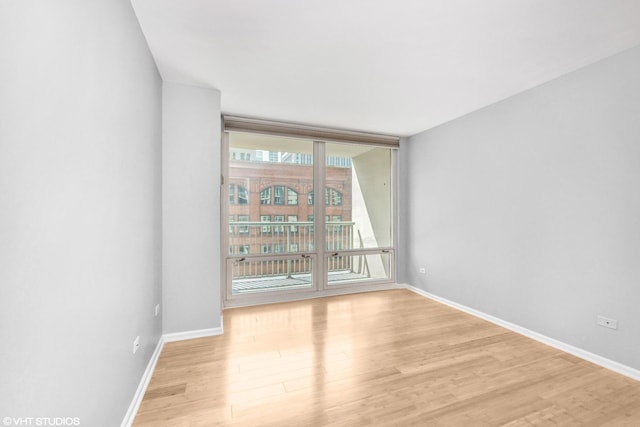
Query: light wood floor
x,y
390,358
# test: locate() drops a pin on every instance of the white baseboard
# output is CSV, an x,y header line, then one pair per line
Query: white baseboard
x,y
148,373
578,352
142,387
189,335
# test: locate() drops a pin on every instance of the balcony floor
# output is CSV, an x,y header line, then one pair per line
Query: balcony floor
x,y
295,281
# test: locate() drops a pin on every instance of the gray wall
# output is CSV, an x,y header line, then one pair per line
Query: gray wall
x,y
80,203
529,210
191,208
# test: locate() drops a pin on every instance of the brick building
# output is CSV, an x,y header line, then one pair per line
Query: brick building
x,y
275,200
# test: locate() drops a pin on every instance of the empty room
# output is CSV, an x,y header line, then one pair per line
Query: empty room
x,y
281,213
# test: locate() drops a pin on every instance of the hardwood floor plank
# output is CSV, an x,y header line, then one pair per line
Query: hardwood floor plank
x,y
380,358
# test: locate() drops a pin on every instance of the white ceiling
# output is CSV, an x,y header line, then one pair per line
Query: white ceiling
x,y
389,66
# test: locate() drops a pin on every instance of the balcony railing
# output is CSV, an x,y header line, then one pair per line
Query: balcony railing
x,y
263,238
285,238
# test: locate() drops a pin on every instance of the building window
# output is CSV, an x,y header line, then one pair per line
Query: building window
x,y
243,250
293,247
337,227
278,195
230,250
243,194
278,228
292,196
243,229
265,218
231,219
265,196
332,197
336,198
265,249
278,248
293,218
310,218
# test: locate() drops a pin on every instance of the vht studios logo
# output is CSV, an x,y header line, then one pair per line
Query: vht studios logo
x,y
41,421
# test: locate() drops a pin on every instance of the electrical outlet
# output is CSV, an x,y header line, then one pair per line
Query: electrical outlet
x,y
423,270
607,322
136,344
157,309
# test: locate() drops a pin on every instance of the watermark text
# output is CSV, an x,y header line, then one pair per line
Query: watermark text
x,y
41,421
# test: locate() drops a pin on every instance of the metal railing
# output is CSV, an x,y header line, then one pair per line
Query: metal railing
x,y
247,239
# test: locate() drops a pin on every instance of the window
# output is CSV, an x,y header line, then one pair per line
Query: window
x,y
336,198
272,178
243,194
278,228
293,218
265,196
265,218
337,227
278,195
332,197
292,197
243,229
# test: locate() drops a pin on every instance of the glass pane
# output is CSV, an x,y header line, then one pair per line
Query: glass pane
x,y
267,177
347,269
252,276
358,197
271,178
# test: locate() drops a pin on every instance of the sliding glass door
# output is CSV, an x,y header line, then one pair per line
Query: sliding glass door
x,y
270,219
358,204
304,216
